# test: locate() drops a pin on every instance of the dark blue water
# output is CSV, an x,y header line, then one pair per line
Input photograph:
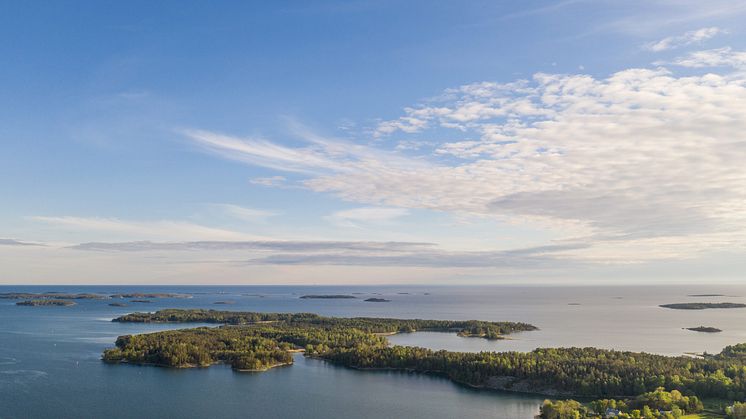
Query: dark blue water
x,y
50,366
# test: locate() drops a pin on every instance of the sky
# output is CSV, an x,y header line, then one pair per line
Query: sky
x,y
372,142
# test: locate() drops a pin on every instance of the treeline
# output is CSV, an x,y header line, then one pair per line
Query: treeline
x,y
490,330
263,339
243,347
655,404
587,372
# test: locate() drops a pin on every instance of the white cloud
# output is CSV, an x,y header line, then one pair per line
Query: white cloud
x,y
270,181
692,37
140,230
643,156
719,57
245,214
355,216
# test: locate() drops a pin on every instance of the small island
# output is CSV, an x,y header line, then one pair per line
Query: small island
x,y
704,329
702,306
224,302
326,296
142,295
50,295
140,301
705,295
376,300
46,302
118,304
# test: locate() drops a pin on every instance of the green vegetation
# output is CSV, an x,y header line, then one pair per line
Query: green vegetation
x,y
492,330
736,411
704,329
702,306
655,404
45,302
636,384
327,297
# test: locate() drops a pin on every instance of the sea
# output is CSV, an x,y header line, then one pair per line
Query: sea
x,y
50,364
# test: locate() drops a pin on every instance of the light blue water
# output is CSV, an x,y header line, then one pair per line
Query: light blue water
x,y
50,366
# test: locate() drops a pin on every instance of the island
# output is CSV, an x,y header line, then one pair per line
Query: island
x,y
141,295
704,329
46,302
702,306
706,295
140,301
620,380
376,300
118,304
50,295
324,297
258,341
224,302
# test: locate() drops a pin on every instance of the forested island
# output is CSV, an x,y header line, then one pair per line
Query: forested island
x,y
46,302
704,329
50,295
327,297
702,306
257,341
625,381
84,296
142,295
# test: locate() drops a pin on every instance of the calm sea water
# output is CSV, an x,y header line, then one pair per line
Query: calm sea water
x,y
50,366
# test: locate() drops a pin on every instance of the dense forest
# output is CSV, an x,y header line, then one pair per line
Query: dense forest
x,y
261,340
655,404
490,330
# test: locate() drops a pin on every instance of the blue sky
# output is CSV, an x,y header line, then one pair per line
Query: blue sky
x,y
372,142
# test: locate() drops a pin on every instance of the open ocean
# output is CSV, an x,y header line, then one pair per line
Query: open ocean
x,y
50,356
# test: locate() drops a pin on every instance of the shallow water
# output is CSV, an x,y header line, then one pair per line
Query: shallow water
x,y
50,366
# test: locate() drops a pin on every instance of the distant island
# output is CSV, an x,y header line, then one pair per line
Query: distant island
x,y
702,306
224,302
118,304
326,296
140,301
376,300
150,295
46,302
84,296
704,329
50,295
705,295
